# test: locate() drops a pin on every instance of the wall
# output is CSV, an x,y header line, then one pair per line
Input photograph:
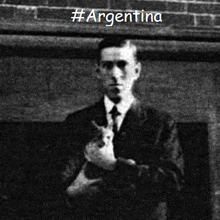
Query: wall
x,y
39,89
189,18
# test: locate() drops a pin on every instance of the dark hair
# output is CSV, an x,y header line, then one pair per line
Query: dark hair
x,y
116,42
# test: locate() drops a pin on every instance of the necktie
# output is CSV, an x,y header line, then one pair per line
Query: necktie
x,y
115,113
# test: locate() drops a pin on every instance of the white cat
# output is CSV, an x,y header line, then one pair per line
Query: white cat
x,y
89,176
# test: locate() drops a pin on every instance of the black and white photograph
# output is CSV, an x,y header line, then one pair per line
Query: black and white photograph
x,y
109,110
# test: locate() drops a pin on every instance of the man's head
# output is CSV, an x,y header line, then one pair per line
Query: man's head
x,y
118,67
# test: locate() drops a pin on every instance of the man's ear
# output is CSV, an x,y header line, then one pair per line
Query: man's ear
x,y
97,71
138,70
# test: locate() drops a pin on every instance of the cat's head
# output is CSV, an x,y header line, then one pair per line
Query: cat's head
x,y
104,134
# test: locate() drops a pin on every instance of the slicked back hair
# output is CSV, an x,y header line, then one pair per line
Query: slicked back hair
x,y
116,42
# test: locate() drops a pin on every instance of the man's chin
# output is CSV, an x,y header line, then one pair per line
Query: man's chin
x,y
115,91
115,95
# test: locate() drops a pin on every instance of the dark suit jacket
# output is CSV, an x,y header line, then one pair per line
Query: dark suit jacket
x,y
148,190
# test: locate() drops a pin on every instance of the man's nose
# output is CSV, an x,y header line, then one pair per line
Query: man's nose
x,y
116,72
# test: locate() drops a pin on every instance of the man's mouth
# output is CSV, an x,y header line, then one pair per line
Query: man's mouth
x,y
115,84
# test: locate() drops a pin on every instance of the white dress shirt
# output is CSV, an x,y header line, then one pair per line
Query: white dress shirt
x,y
122,108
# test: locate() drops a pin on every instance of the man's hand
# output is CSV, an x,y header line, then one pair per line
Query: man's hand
x,y
101,156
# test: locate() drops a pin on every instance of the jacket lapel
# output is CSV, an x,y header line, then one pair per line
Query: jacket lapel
x,y
132,118
99,113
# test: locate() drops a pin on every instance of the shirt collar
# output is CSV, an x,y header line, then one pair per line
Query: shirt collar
x,y
122,107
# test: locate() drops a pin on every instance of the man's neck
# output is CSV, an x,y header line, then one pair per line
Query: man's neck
x,y
122,106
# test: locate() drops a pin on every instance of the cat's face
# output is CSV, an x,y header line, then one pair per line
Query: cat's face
x,y
105,135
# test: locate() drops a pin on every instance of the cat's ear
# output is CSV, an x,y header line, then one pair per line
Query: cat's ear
x,y
110,126
96,126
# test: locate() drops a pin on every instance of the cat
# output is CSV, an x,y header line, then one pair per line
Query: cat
x,y
89,177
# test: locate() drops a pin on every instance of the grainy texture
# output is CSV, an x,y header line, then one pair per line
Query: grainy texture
x,y
25,14
39,89
204,21
119,4
148,6
55,14
47,89
217,21
199,8
176,7
26,2
6,12
175,15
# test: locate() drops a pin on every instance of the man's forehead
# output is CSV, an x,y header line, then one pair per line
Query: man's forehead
x,y
117,53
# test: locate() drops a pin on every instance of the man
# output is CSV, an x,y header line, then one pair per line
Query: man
x,y
142,174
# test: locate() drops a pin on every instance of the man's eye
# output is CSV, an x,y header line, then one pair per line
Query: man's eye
x,y
121,64
107,65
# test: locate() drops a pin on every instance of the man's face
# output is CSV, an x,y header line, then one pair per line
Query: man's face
x,y
118,71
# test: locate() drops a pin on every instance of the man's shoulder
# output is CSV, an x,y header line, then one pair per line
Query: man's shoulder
x,y
152,113
141,109
84,114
